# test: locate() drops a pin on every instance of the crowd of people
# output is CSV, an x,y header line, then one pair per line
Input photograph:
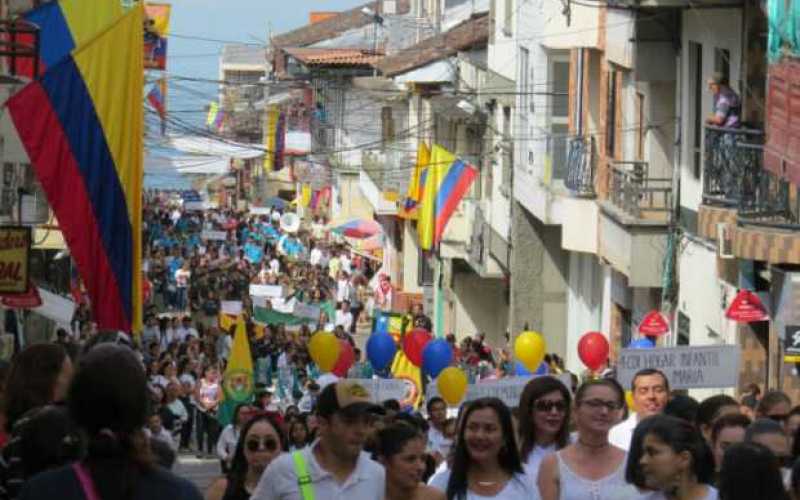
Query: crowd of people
x,y
100,415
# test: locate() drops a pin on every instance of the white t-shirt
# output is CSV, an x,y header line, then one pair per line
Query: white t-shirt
x,y
438,443
345,319
712,494
315,257
279,481
621,434
534,461
517,488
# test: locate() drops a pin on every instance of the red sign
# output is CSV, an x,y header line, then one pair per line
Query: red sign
x,y
654,324
747,308
28,300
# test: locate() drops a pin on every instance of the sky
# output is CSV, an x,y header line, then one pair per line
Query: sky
x,y
229,20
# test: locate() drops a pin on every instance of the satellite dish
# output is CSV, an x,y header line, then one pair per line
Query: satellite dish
x,y
290,222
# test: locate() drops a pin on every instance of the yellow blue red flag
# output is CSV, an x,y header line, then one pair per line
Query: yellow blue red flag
x,y
82,126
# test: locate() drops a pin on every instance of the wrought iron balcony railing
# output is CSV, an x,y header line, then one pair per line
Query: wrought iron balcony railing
x,y
636,193
773,203
732,165
581,166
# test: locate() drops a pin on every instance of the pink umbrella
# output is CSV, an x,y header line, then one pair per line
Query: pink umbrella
x,y
359,229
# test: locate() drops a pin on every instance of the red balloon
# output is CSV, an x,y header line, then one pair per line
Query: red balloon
x,y
593,350
414,343
346,359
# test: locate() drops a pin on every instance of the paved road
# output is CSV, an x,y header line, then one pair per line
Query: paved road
x,y
199,471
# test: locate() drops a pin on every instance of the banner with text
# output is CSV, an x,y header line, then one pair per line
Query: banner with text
x,y
686,367
15,247
509,390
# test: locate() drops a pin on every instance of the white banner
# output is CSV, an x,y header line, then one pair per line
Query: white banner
x,y
214,235
232,307
266,291
260,210
193,206
306,311
507,389
686,367
382,389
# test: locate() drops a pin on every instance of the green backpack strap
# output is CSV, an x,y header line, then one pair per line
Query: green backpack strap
x,y
303,477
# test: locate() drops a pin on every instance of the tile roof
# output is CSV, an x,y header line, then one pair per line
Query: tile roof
x,y
234,53
470,33
329,28
333,57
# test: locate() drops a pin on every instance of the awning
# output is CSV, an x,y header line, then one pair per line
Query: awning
x,y
48,239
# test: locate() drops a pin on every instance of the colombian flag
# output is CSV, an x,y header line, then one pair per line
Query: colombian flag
x,y
454,186
65,25
82,126
408,209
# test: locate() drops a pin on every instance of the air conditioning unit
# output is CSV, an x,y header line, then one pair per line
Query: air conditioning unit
x,y
724,241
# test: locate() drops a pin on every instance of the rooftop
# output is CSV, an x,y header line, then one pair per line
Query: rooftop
x,y
334,57
470,33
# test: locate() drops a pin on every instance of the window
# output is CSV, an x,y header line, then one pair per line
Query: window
x,y
506,144
387,124
640,126
508,14
611,113
424,270
559,69
722,62
696,106
684,324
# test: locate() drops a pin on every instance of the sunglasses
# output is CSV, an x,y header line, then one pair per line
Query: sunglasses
x,y
548,406
268,444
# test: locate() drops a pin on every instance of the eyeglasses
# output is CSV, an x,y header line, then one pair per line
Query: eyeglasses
x,y
596,404
267,444
543,406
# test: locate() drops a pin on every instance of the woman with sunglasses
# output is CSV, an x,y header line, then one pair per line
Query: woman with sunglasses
x,y
485,462
260,441
590,468
543,422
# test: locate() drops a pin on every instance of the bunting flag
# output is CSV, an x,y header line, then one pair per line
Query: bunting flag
x,y
237,381
82,126
156,29
63,26
270,136
213,112
408,208
305,198
157,98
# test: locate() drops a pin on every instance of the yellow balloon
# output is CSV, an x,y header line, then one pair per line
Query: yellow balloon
x,y
452,384
629,399
530,349
324,350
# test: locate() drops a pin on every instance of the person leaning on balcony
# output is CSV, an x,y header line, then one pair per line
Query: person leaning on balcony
x,y
727,104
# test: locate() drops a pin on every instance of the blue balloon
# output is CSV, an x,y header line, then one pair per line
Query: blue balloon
x,y
543,369
436,356
643,343
380,350
521,371
382,324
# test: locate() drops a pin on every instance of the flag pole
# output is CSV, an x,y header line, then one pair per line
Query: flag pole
x,y
438,296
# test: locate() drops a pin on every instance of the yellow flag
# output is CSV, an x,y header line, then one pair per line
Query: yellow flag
x,y
440,162
403,369
305,198
270,142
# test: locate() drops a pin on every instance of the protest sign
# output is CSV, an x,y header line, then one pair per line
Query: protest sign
x,y
306,311
270,291
214,235
382,389
686,367
193,206
232,307
260,210
508,390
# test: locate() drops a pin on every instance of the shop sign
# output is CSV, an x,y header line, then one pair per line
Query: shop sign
x,y
15,247
747,308
654,324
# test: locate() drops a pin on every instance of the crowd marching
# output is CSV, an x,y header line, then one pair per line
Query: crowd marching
x,y
99,415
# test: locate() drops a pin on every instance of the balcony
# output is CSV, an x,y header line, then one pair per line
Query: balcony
x,y
773,204
634,222
638,195
732,165
581,167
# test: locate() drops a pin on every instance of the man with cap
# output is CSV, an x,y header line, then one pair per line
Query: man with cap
x,y
335,465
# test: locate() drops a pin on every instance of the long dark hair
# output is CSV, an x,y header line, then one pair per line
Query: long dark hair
x,y
238,471
527,430
750,470
509,455
31,379
681,436
391,439
633,471
108,400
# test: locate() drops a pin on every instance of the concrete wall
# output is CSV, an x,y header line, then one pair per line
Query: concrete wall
x,y
348,201
585,301
583,29
410,257
539,286
477,305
